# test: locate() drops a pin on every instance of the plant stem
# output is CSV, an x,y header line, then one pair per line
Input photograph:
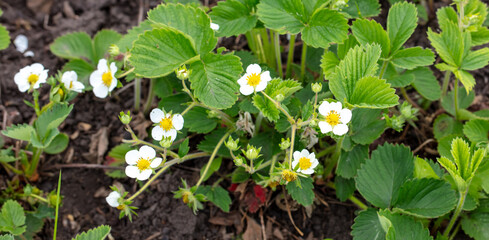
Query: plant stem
x,y
34,162
446,81
251,42
58,192
457,212
151,95
267,48
457,228
258,122
214,153
455,98
38,197
272,166
188,108
303,61
290,56
326,151
137,94
226,118
382,70
278,105
259,45
292,140
35,94
278,55
352,198
334,158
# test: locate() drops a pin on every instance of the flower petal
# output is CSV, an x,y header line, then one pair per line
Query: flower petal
x,y
345,115
172,133
113,199
113,83
147,152
177,121
294,163
113,68
253,68
132,171
243,80
68,77
78,86
156,115
157,133
297,155
325,127
312,156
340,129
265,76
144,175
335,106
156,162
324,108
102,65
37,68
96,78
101,91
246,89
132,157
304,153
262,85
23,87
315,163
308,171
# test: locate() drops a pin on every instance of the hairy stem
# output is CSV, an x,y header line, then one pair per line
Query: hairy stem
x,y
214,153
151,94
303,61
34,162
455,98
290,56
446,81
292,140
137,94
278,57
278,105
457,212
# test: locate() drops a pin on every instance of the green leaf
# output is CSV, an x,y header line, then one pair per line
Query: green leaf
x,y
480,37
411,58
6,237
367,226
58,144
21,132
219,196
370,31
12,218
269,142
477,130
34,225
329,61
304,193
426,83
344,187
4,37
401,23
362,8
98,233
426,198
196,120
215,165
158,52
445,125
366,125
476,224
125,43
214,79
461,155
102,40
266,107
83,70
395,79
325,27
476,59
351,161
344,48
239,175
465,78
77,45
449,44
233,17
176,102
404,227
373,92
281,15
210,141
52,118
381,177
424,169
184,148
191,21
464,100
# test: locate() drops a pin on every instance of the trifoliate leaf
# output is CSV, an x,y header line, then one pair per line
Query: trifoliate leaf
x,y
362,8
12,218
373,92
401,22
450,44
304,193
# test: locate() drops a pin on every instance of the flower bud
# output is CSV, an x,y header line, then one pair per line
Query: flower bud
x,y
285,144
252,153
238,161
114,50
231,144
125,117
166,142
279,98
317,87
313,123
212,114
289,176
182,72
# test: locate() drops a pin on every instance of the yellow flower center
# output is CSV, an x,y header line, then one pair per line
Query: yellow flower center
x,y
289,176
166,124
71,85
143,164
120,207
253,79
32,79
333,118
304,163
185,197
107,78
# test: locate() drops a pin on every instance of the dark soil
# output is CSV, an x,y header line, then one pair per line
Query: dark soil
x,y
160,215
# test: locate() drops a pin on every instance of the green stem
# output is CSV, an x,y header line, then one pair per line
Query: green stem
x,y
272,166
137,94
303,61
35,94
267,46
226,118
279,106
352,198
38,197
458,210
290,56
292,140
457,228
446,81
151,94
259,45
251,42
35,161
188,108
58,196
334,158
382,70
13,169
278,56
214,153
258,122
455,98
326,151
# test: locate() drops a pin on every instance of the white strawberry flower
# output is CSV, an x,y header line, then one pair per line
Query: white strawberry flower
x,y
335,118
113,199
141,162
214,26
167,124
31,77
70,80
103,79
306,161
254,80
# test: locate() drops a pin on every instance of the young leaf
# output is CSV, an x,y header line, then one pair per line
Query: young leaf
x,y
191,21
366,125
4,37
52,118
426,83
476,224
266,107
234,17
217,195
401,22
465,78
7,237
345,187
373,92
214,79
381,177
282,15
367,226
12,218
362,8
476,59
329,61
183,149
325,27
21,132
102,40
426,198
77,45
425,169
158,52
477,130
351,161
370,31
449,44
215,165
411,58
98,233
445,125
58,144
480,37
196,120
304,194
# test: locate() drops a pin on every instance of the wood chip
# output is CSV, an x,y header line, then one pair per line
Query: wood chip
x,y
40,6
253,230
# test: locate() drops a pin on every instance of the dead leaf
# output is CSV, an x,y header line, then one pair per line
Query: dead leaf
x,y
140,125
40,6
221,221
101,192
253,230
99,143
69,155
83,126
278,234
75,135
68,10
